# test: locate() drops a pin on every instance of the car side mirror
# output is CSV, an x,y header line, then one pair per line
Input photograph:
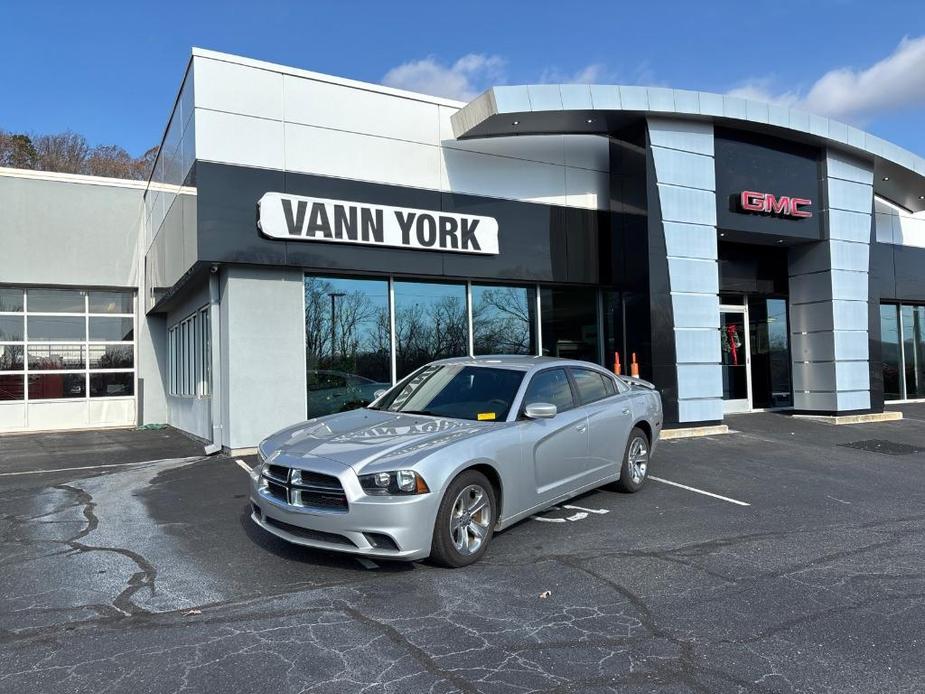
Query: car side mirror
x,y
540,410
379,393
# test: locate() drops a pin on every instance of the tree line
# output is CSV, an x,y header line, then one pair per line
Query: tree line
x,y
69,152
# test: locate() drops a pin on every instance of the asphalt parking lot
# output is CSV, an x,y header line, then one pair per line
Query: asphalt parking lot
x,y
805,571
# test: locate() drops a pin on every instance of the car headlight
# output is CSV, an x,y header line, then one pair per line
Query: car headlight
x,y
397,483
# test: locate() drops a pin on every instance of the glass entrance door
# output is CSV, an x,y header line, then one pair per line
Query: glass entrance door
x,y
735,345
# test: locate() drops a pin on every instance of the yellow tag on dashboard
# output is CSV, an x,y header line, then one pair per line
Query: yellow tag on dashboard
x,y
486,416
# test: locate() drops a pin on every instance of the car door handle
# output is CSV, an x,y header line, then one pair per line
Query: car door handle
x,y
626,410
581,427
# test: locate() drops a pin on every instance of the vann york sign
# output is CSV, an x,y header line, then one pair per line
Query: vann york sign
x,y
298,218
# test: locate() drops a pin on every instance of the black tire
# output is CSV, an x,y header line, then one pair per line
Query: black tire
x,y
444,550
630,478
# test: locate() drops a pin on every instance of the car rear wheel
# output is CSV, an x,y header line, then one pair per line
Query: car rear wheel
x,y
465,521
635,462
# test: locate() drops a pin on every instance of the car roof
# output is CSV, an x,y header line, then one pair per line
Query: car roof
x,y
518,361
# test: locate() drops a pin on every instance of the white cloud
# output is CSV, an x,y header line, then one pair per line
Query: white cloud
x,y
896,82
463,80
595,73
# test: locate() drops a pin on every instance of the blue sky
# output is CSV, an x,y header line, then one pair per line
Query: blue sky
x,y
110,70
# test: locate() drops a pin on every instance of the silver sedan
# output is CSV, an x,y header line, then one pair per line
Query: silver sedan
x,y
459,449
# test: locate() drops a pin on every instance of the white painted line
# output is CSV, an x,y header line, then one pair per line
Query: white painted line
x,y
841,501
68,469
577,517
244,465
596,511
699,491
548,520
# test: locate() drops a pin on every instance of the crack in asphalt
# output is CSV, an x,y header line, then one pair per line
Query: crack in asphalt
x,y
688,668
143,578
418,654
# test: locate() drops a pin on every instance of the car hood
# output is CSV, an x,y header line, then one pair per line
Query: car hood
x,y
362,437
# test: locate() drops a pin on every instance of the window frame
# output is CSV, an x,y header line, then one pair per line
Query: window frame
x,y
189,358
85,344
575,399
572,370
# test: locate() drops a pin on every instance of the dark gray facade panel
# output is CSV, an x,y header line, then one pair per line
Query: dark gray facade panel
x,y
539,243
752,162
897,272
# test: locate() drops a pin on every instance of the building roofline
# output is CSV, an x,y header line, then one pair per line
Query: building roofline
x,y
535,109
321,77
73,178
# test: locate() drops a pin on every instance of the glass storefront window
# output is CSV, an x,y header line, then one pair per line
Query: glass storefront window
x,y
57,328
11,300
11,357
111,302
56,357
890,351
56,301
54,386
569,320
110,385
44,338
111,357
913,326
503,320
430,323
770,352
11,328
347,342
12,387
109,329
613,330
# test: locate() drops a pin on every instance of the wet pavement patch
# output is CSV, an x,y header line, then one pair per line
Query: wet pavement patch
x,y
882,446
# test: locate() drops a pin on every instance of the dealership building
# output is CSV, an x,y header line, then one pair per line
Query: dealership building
x,y
305,240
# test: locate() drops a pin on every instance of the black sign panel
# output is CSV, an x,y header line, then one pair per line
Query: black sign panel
x,y
781,171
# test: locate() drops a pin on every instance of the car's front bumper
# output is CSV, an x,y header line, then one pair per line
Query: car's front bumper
x,y
399,527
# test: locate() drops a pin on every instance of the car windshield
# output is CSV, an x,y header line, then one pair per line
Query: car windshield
x,y
459,391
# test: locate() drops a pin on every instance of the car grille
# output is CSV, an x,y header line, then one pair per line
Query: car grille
x,y
304,489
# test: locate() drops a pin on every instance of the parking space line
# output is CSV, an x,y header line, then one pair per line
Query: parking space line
x,y
699,491
244,466
68,469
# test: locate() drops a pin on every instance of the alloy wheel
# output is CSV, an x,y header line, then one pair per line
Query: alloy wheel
x,y
470,519
638,459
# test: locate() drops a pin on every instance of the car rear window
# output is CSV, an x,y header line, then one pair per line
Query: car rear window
x,y
591,385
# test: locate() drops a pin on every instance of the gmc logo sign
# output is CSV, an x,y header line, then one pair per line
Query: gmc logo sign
x,y
785,206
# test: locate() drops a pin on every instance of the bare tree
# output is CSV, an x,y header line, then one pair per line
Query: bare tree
x,y
111,161
69,152
65,152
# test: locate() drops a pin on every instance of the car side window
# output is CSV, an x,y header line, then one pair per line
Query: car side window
x,y
591,385
550,386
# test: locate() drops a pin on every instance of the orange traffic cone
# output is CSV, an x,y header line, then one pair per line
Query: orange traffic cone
x,y
634,367
617,367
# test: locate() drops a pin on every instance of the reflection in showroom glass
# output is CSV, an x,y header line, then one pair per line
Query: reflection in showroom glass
x,y
111,384
504,320
346,342
56,357
53,386
430,323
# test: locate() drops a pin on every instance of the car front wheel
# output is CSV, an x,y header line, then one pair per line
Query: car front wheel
x,y
635,462
465,521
